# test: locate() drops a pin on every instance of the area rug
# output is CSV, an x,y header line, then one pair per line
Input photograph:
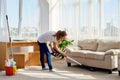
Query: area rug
x,y
62,72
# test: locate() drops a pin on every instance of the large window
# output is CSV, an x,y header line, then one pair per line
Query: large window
x,y
81,18
97,18
84,18
12,12
29,27
110,15
29,18
67,16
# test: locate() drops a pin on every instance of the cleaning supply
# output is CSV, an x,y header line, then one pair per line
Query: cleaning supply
x,y
10,70
10,67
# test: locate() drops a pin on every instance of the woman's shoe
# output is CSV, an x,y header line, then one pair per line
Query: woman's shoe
x,y
45,69
52,70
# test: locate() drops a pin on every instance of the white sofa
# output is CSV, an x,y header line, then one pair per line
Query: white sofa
x,y
119,64
95,53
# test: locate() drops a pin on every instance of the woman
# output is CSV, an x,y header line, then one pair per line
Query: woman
x,y
54,38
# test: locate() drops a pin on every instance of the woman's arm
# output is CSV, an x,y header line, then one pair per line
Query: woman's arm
x,y
55,45
51,46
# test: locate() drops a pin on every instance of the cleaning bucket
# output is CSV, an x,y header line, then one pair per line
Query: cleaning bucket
x,y
10,70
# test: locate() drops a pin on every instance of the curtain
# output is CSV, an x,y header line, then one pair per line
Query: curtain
x,y
119,15
28,19
65,15
54,14
0,11
80,18
43,16
3,23
20,17
86,18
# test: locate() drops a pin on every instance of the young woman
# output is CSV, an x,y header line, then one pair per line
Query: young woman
x,y
54,38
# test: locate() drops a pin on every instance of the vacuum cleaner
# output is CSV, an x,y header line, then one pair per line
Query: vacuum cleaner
x,y
58,55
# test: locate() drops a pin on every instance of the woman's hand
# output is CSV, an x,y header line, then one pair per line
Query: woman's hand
x,y
64,54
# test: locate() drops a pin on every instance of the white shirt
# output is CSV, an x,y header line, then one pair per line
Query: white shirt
x,y
47,37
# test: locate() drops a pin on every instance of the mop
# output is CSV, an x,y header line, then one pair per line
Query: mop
x,y
11,50
10,68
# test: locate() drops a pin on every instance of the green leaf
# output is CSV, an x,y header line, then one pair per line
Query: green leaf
x,y
64,43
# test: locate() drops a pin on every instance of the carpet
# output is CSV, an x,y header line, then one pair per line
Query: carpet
x,y
63,72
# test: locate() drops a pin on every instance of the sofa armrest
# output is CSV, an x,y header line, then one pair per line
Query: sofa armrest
x,y
112,52
72,48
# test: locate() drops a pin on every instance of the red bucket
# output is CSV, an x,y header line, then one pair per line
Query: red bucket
x,y
10,70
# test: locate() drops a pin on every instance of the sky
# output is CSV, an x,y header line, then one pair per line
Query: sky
x,y
30,13
111,12
12,12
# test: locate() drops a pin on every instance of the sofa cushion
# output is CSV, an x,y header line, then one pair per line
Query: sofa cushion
x,y
88,44
72,48
79,53
104,45
95,55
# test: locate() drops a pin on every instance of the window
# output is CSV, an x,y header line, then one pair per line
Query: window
x,y
29,27
110,18
12,12
81,18
29,15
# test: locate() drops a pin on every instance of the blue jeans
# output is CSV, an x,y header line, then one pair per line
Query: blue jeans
x,y
44,50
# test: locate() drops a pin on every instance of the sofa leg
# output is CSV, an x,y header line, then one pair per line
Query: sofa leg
x,y
68,64
92,69
110,71
119,73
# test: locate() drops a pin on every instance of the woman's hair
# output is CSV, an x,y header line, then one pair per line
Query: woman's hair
x,y
59,34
